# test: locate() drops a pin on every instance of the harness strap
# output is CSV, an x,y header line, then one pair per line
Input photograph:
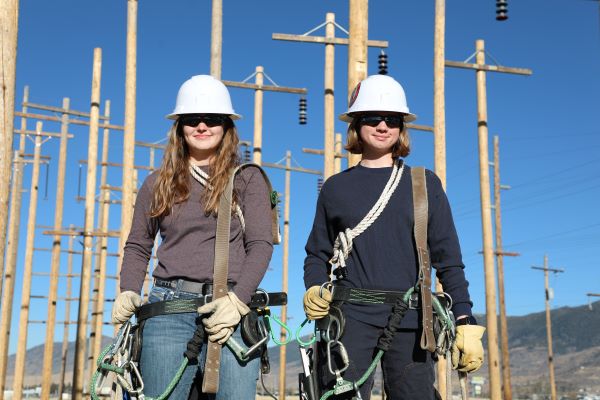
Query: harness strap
x,y
210,383
370,296
420,204
258,300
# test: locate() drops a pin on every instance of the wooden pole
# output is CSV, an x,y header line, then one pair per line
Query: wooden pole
x,y
439,146
9,26
486,220
216,38
357,51
284,283
55,258
65,343
27,269
329,168
8,283
258,111
338,150
129,132
84,293
98,294
546,269
507,390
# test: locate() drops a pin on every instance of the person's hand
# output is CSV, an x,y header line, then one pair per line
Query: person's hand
x,y
316,302
467,351
227,311
124,306
220,336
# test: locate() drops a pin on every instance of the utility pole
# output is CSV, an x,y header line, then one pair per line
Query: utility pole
x,y
86,264
506,384
259,88
329,40
546,269
486,219
9,27
358,44
286,233
216,38
65,342
26,289
590,295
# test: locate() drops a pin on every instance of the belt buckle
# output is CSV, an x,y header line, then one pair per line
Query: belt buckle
x,y
413,301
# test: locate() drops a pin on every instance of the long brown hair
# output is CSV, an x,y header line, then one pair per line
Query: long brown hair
x,y
172,185
354,143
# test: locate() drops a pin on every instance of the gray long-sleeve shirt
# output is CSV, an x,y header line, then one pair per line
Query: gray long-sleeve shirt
x,y
188,238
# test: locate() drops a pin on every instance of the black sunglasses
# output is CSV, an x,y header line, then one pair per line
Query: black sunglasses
x,y
392,121
210,120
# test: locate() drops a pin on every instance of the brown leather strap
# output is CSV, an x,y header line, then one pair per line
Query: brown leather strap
x,y
210,383
420,203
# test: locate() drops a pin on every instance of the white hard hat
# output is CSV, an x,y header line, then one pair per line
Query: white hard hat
x,y
203,94
378,93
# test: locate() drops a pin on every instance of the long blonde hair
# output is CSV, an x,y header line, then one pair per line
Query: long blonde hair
x,y
172,185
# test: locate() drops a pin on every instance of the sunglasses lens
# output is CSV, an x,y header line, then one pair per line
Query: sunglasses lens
x,y
209,120
392,121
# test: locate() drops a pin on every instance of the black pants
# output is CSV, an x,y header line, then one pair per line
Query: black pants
x,y
408,371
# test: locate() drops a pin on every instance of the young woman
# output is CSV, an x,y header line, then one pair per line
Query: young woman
x,y
177,202
382,257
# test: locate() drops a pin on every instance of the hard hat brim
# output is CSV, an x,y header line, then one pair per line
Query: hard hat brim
x,y
234,117
348,117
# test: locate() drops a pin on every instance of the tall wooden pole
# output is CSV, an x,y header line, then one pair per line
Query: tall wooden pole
x,y
329,168
84,293
338,150
486,220
8,283
439,141
284,273
55,258
100,265
357,51
216,38
9,26
500,264
258,112
27,268
129,132
65,342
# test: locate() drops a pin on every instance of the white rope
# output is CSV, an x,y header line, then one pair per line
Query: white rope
x,y
343,243
203,178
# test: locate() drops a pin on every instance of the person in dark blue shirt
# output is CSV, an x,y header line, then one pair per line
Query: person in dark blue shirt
x,y
363,229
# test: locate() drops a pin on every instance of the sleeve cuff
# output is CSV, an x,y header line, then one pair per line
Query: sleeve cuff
x,y
462,309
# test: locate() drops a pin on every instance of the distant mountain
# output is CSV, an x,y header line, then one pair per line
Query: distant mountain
x,y
576,344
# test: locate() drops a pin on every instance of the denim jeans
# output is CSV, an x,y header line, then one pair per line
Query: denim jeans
x,y
164,341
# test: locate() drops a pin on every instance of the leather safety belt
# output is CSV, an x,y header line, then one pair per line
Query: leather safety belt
x,y
420,204
210,382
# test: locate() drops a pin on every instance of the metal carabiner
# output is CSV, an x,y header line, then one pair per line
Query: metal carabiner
x,y
299,340
138,377
343,354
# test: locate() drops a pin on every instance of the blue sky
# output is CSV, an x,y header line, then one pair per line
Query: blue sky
x,y
549,137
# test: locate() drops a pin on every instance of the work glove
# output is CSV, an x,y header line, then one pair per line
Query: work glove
x,y
316,302
221,336
124,306
467,351
227,311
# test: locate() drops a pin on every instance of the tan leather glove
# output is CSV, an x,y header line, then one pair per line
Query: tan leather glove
x,y
221,336
227,311
124,306
316,302
467,351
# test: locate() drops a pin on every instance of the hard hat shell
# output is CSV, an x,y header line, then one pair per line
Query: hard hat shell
x,y
378,93
203,94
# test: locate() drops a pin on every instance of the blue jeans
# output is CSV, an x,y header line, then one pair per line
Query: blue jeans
x,y
165,339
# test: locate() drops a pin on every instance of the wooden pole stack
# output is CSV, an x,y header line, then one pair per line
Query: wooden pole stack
x,y
484,181
27,269
547,269
84,293
55,258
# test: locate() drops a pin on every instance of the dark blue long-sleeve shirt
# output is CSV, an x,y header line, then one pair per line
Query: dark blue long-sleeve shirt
x,y
383,257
